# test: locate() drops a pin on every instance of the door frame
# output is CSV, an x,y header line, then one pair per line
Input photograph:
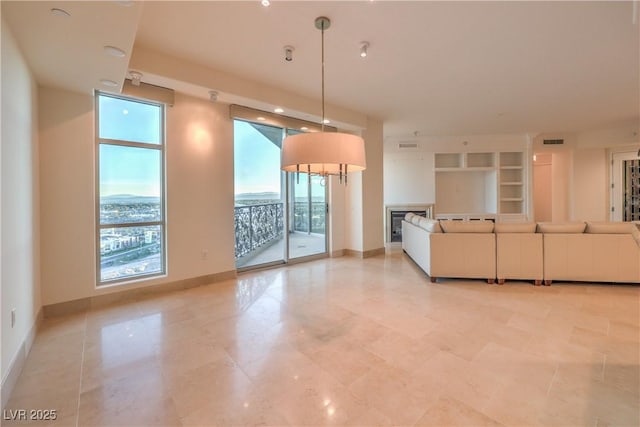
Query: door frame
x,y
290,176
617,158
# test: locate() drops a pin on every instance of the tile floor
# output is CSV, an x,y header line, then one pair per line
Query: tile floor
x,y
345,342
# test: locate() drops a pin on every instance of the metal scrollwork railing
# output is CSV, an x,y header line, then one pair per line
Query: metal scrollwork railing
x,y
256,225
301,217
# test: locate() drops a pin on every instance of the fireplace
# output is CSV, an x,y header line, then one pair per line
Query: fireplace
x,y
396,213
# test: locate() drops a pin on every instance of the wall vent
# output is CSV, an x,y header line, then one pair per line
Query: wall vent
x,y
405,145
553,141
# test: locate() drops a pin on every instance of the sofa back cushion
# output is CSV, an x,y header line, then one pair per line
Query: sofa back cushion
x,y
408,216
415,219
515,227
610,227
430,225
561,227
451,226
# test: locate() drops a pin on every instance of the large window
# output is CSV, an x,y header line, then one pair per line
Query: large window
x,y
130,184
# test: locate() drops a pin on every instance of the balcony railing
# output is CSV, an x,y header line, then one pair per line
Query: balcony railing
x,y
301,217
256,225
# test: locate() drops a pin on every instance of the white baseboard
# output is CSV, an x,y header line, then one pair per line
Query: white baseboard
x,y
17,363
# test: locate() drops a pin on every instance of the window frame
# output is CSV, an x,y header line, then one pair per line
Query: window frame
x,y
161,148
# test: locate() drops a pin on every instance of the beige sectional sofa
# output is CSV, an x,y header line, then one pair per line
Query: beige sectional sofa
x,y
451,248
519,252
591,252
544,252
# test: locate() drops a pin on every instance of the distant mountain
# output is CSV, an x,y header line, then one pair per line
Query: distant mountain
x,y
128,199
258,196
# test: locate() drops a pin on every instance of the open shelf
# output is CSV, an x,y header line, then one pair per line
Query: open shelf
x,y
511,159
511,171
448,160
486,182
480,160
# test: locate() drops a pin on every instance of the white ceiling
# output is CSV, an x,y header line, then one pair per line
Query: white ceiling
x,y
439,68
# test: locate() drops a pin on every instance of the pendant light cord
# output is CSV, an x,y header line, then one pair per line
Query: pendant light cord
x,y
322,57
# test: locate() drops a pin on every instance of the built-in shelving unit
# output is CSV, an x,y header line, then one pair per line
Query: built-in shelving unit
x,y
481,184
511,177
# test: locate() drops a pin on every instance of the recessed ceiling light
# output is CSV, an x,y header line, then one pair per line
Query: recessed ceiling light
x,y
326,121
55,11
304,128
265,3
262,119
125,112
114,51
278,110
108,82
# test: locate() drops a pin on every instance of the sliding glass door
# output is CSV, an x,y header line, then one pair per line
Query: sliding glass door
x,y
307,211
259,213
268,202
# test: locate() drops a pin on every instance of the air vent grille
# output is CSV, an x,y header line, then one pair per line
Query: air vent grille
x,y
553,141
405,145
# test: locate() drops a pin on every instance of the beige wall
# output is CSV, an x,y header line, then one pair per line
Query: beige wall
x,y
561,184
199,162
590,189
364,208
542,188
373,188
409,178
337,199
200,196
67,184
19,177
353,237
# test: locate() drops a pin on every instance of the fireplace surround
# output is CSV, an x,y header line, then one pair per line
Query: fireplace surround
x,y
395,214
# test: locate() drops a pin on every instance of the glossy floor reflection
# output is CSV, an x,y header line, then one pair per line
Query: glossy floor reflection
x,y
344,342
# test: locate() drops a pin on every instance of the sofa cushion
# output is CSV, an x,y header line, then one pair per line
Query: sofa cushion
x,y
451,226
609,227
561,227
415,219
430,225
515,227
408,216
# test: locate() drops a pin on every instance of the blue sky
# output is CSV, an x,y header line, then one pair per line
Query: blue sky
x,y
256,161
129,170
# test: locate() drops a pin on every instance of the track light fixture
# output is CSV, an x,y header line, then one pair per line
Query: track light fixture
x,y
136,77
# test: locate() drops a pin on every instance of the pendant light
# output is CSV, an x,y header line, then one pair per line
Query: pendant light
x,y
323,153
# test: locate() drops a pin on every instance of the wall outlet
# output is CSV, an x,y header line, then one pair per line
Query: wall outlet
x,y
13,317
204,254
